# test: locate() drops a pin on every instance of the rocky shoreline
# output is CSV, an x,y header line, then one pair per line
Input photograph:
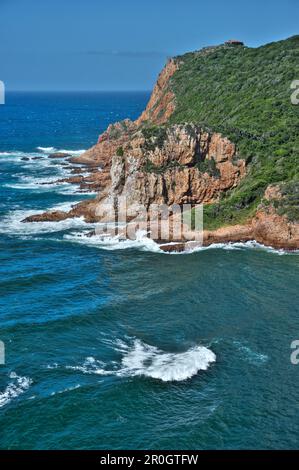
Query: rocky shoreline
x,y
266,227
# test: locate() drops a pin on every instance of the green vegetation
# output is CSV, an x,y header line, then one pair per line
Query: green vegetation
x,y
289,203
149,167
155,136
245,94
120,152
209,166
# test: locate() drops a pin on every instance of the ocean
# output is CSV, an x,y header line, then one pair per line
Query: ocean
x,y
118,345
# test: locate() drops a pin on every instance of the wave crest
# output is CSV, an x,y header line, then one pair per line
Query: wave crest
x,y
141,359
16,387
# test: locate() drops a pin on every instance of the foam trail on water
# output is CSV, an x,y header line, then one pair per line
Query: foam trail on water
x,y
16,387
250,355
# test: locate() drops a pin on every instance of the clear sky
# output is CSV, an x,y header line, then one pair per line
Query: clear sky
x,y
123,44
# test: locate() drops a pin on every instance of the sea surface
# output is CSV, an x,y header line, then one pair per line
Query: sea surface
x,y
119,345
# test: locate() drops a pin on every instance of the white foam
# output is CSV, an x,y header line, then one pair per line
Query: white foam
x,y
64,206
149,361
45,183
16,387
250,355
73,152
16,156
146,244
141,359
12,224
254,245
40,186
48,150
15,153
69,389
104,242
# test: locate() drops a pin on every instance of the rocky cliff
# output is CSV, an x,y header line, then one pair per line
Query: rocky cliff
x,y
229,162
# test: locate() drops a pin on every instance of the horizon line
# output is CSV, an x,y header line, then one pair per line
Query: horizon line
x,y
78,91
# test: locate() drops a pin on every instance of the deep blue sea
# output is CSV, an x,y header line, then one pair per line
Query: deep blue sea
x,y
121,346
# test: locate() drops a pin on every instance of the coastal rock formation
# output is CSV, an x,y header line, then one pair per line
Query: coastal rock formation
x,y
86,209
267,227
179,164
166,157
54,216
271,228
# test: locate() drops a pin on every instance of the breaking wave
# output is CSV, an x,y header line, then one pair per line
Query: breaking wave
x,y
144,243
41,152
141,359
106,242
39,184
16,387
12,224
254,245
48,150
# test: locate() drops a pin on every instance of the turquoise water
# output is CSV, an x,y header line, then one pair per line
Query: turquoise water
x,y
121,346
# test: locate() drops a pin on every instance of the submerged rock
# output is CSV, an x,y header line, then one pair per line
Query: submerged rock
x,y
55,216
173,248
59,155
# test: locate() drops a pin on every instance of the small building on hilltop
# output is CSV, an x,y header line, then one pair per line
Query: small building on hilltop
x,y
234,42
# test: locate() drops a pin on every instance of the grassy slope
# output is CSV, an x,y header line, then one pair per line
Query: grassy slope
x,y
245,94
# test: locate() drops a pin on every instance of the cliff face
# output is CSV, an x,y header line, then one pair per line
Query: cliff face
x,y
178,164
162,102
181,164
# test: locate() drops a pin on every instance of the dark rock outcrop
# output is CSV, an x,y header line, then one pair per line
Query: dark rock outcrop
x,y
59,155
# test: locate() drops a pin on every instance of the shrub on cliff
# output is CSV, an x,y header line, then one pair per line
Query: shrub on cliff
x,y
120,152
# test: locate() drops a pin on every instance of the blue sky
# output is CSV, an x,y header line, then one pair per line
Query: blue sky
x,y
123,44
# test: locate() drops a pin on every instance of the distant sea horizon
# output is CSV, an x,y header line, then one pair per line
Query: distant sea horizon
x,y
78,91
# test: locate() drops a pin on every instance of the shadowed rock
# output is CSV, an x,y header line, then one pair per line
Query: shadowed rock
x,y
59,155
55,216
